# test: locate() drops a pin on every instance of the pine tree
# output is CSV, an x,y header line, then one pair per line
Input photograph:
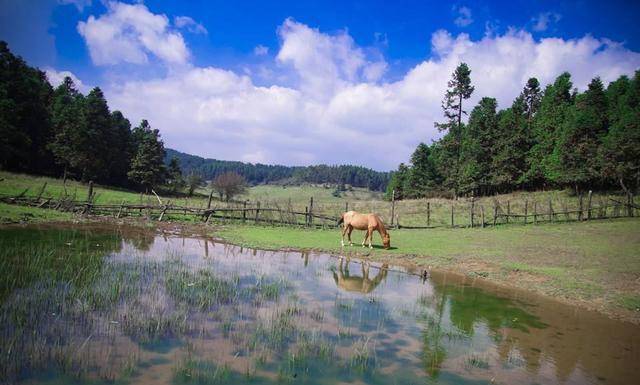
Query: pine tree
x,y
512,141
477,148
423,176
460,89
576,149
174,175
121,153
97,121
620,152
549,119
68,141
398,183
147,166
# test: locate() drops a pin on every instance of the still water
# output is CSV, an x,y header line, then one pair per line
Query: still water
x,y
106,304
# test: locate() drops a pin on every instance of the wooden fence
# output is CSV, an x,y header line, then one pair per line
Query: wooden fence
x,y
417,214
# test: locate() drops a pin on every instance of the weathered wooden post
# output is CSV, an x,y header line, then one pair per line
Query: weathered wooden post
x,y
535,212
244,211
630,205
451,214
550,211
472,207
508,210
306,215
90,192
482,212
210,198
257,210
44,186
311,211
580,208
589,205
428,214
120,210
526,208
393,205
495,213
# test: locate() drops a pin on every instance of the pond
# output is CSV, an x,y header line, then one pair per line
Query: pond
x,y
97,304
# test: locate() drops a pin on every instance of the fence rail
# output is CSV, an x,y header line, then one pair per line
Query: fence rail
x,y
417,214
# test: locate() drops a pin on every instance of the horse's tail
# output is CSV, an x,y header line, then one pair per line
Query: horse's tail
x,y
341,220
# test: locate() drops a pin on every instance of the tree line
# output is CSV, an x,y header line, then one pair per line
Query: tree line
x,y
263,173
60,131
552,138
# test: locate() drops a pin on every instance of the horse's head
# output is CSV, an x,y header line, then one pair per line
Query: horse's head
x,y
386,241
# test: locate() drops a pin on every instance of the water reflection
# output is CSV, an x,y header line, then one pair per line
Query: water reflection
x,y
168,309
361,284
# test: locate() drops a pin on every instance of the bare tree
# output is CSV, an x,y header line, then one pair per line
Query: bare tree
x,y
229,184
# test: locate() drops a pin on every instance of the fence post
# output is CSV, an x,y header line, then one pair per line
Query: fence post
x,y
311,211
580,209
44,186
90,192
508,210
428,214
306,215
495,213
589,205
210,198
346,206
473,200
451,214
550,211
526,208
393,205
244,211
120,211
535,212
257,210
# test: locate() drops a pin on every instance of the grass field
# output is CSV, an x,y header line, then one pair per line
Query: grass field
x,y
594,263
407,212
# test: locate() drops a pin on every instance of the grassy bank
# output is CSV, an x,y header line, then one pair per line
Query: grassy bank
x,y
23,214
596,264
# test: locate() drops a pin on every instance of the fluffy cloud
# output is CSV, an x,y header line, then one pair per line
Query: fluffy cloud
x,y
129,33
544,19
464,16
190,24
56,78
260,50
338,108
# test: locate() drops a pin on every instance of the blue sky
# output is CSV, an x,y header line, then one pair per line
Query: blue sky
x,y
301,82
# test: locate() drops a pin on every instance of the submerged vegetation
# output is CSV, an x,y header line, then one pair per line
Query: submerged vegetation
x,y
107,304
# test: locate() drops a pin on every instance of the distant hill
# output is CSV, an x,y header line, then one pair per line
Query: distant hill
x,y
263,173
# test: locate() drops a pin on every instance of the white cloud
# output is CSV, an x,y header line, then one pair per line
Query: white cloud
x,y
544,19
128,33
325,63
260,50
339,109
80,4
57,77
464,16
190,24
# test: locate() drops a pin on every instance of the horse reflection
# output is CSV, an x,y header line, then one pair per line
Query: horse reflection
x,y
355,283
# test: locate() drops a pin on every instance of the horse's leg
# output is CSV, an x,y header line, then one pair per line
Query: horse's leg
x,y
370,234
349,235
366,234
344,230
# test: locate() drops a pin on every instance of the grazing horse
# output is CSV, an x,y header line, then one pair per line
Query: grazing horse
x,y
369,222
362,284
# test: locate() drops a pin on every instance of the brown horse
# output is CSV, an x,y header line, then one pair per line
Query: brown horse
x,y
369,222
